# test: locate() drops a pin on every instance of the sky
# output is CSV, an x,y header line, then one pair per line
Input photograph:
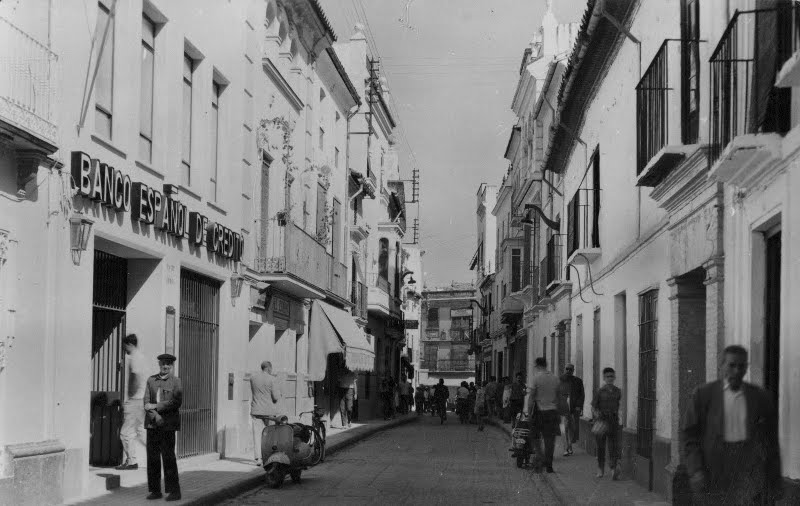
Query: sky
x,y
452,67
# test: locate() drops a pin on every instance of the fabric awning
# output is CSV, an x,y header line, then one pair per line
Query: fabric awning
x,y
333,330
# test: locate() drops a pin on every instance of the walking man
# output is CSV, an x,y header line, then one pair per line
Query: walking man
x,y
264,404
573,396
544,394
133,409
490,390
517,396
163,396
347,393
605,407
731,439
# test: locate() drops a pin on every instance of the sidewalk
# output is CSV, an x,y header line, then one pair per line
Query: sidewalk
x,y
574,481
209,480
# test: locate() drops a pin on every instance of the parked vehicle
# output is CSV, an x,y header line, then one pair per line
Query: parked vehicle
x,y
289,448
317,422
521,440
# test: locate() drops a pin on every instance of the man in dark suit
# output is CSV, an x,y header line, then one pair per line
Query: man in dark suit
x,y
162,399
572,398
731,439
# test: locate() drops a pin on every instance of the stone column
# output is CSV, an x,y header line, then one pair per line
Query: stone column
x,y
715,315
688,343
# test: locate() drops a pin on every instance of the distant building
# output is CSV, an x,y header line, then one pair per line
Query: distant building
x,y
449,316
483,263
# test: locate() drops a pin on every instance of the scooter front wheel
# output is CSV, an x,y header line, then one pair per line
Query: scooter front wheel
x,y
275,475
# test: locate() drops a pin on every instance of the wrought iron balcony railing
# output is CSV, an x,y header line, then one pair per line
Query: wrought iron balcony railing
x,y
583,224
448,365
27,82
376,280
743,68
358,296
291,250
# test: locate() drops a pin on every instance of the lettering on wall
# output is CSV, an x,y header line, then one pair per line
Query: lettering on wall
x,y
103,183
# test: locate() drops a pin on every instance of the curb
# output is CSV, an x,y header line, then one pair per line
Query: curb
x,y
257,478
559,488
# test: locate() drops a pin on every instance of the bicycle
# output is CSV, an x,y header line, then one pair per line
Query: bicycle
x,y
318,426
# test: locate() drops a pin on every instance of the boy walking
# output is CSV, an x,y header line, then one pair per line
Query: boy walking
x,y
605,407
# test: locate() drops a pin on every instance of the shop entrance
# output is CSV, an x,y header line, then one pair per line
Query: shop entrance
x,y
109,302
197,363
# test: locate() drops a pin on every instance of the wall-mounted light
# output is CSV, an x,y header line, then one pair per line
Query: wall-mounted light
x,y
80,227
237,281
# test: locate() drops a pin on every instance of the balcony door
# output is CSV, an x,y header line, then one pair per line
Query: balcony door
x,y
690,71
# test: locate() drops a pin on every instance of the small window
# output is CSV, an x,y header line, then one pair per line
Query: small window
x,y
146,93
336,157
104,85
214,140
186,124
321,139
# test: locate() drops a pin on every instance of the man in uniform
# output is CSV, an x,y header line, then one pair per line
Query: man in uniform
x,y
162,399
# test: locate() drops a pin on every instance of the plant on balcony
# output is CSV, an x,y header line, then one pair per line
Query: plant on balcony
x,y
324,228
274,135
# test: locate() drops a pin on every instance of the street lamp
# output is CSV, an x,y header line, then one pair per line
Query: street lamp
x,y
80,227
237,280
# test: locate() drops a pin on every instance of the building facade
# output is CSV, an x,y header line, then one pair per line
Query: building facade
x,y
449,316
483,263
207,215
675,175
377,205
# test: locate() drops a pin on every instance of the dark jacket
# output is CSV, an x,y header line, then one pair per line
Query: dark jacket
x,y
704,432
572,386
166,415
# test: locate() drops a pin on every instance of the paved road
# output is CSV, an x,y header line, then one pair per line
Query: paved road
x,y
418,463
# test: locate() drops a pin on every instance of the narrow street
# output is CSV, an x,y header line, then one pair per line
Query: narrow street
x,y
418,463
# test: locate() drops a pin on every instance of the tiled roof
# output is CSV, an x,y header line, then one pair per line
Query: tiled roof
x,y
592,52
321,15
337,63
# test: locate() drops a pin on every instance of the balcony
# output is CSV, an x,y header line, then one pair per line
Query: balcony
x,y
749,115
552,266
449,365
666,128
27,89
338,284
296,263
583,226
358,296
359,228
378,299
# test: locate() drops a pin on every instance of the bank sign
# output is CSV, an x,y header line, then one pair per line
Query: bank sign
x,y
112,188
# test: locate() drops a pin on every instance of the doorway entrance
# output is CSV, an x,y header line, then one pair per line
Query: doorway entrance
x,y
109,303
772,313
197,363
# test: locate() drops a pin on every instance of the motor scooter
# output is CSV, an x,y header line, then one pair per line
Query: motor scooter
x,y
289,448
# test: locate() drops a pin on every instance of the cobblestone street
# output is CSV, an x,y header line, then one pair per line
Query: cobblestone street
x,y
419,463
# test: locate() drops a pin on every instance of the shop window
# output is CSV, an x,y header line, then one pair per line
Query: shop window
x,y
104,84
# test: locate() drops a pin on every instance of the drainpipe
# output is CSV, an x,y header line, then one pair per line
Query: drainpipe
x,y
347,252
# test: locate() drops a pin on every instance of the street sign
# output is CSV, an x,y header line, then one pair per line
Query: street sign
x,y
411,324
